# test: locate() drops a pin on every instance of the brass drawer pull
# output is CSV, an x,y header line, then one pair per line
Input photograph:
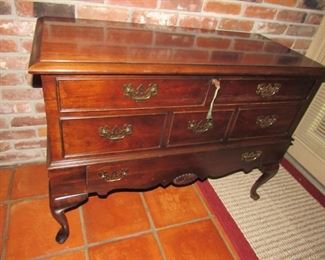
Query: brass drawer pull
x,y
202,126
251,156
114,176
140,94
266,121
266,90
199,127
115,133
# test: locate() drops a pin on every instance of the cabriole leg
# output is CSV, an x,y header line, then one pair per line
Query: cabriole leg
x,y
59,206
268,171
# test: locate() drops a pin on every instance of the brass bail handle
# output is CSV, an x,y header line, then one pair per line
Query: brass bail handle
x,y
216,84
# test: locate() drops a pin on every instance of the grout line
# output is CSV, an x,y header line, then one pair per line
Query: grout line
x,y
202,200
218,226
60,253
84,231
31,198
7,216
153,228
183,223
119,238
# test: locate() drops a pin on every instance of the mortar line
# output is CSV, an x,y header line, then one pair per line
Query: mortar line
x,y
84,231
153,227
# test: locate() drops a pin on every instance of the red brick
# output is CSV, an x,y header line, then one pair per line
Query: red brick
x,y
10,108
26,45
253,1
16,156
302,44
271,28
314,19
22,94
222,7
42,132
8,46
154,17
136,3
28,121
14,62
3,123
248,45
171,39
30,144
183,5
24,8
17,134
282,2
53,10
5,8
201,22
12,79
102,13
298,30
215,43
291,16
257,58
236,25
260,12
17,27
40,108
283,41
5,147
120,37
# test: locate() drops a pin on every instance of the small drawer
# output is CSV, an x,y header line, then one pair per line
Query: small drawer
x,y
261,90
138,174
253,122
108,93
96,135
179,169
192,127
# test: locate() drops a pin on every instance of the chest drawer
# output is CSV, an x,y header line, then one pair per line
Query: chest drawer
x,y
192,127
106,93
97,135
260,90
253,122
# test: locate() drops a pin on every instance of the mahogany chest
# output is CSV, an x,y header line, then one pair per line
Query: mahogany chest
x,y
137,106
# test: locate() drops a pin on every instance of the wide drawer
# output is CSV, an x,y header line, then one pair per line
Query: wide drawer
x,y
95,135
253,122
105,93
179,169
192,127
263,89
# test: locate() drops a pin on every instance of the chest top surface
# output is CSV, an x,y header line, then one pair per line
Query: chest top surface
x,y
96,47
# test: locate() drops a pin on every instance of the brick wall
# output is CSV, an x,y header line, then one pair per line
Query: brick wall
x,y
22,119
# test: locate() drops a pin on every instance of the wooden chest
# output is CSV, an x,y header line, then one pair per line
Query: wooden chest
x,y
162,105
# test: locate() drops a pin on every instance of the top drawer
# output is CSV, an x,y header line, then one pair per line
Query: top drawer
x,y
106,93
262,89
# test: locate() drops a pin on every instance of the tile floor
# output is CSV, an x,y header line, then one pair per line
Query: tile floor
x,y
171,223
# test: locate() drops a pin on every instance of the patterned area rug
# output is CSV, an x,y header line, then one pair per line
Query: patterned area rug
x,y
285,223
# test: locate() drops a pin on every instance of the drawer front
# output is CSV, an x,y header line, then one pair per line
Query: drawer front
x,y
97,135
192,127
253,122
259,90
179,169
107,93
